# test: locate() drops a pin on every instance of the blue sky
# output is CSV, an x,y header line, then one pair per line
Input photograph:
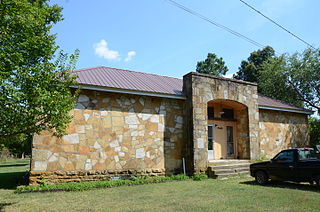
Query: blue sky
x,y
153,36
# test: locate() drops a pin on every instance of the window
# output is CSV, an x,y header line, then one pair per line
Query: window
x,y
285,157
227,113
210,137
230,150
210,113
307,154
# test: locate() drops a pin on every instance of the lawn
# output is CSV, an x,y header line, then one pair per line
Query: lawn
x,y
234,194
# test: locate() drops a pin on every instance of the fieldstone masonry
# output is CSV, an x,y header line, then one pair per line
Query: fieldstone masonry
x,y
117,134
282,130
202,88
112,135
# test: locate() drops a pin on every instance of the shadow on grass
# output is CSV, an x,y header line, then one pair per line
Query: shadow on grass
x,y
287,185
13,165
2,205
10,180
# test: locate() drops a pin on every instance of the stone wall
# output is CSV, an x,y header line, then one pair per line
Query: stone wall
x,y
112,135
282,130
242,134
202,88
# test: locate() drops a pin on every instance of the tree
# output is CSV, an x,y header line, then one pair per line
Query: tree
x,y
19,145
303,75
212,65
249,69
314,130
298,77
272,81
34,91
267,70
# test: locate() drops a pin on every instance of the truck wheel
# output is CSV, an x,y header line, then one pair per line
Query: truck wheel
x,y
317,179
261,177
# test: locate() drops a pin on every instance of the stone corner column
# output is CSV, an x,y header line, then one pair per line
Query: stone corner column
x,y
196,125
253,113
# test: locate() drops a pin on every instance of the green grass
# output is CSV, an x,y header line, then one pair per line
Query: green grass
x,y
235,194
12,172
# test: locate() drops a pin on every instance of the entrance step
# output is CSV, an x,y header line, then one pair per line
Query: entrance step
x,y
226,168
227,162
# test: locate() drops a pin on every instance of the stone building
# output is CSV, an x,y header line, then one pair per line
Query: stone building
x,y
129,123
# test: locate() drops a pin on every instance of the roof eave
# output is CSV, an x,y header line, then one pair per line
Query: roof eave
x,y
126,91
308,112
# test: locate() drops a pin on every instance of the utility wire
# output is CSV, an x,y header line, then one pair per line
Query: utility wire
x,y
215,23
305,42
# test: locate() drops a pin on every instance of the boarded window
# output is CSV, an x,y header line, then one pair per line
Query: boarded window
x,y
227,113
210,113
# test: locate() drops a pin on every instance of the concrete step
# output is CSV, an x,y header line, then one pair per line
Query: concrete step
x,y
227,171
221,176
227,162
225,168
229,166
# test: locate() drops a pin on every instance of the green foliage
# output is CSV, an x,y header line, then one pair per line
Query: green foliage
x,y
4,153
303,75
18,145
249,69
212,65
179,177
199,177
34,91
314,131
42,181
272,81
135,180
138,177
293,78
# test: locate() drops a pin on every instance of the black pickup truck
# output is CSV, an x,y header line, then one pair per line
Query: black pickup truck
x,y
298,165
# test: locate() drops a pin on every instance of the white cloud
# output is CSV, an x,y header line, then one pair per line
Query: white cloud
x,y
228,75
102,50
130,55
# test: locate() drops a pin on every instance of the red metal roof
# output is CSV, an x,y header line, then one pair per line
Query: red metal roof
x,y
269,102
129,80
139,81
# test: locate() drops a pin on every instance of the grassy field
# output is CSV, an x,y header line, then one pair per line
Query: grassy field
x,y
12,172
234,194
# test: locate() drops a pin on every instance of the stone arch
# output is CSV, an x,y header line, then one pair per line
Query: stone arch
x,y
202,88
224,113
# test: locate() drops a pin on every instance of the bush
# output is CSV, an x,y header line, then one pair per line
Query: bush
x,y
135,180
199,177
4,152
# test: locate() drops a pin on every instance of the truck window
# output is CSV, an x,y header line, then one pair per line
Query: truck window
x,y
307,154
286,157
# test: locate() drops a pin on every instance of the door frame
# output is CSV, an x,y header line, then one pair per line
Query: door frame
x,y
223,124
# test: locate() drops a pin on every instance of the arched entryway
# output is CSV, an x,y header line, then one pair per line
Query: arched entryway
x,y
228,130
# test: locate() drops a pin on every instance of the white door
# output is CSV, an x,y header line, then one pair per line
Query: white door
x,y
210,142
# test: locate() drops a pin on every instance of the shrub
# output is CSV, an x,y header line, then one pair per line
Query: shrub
x,y
135,180
199,177
4,153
